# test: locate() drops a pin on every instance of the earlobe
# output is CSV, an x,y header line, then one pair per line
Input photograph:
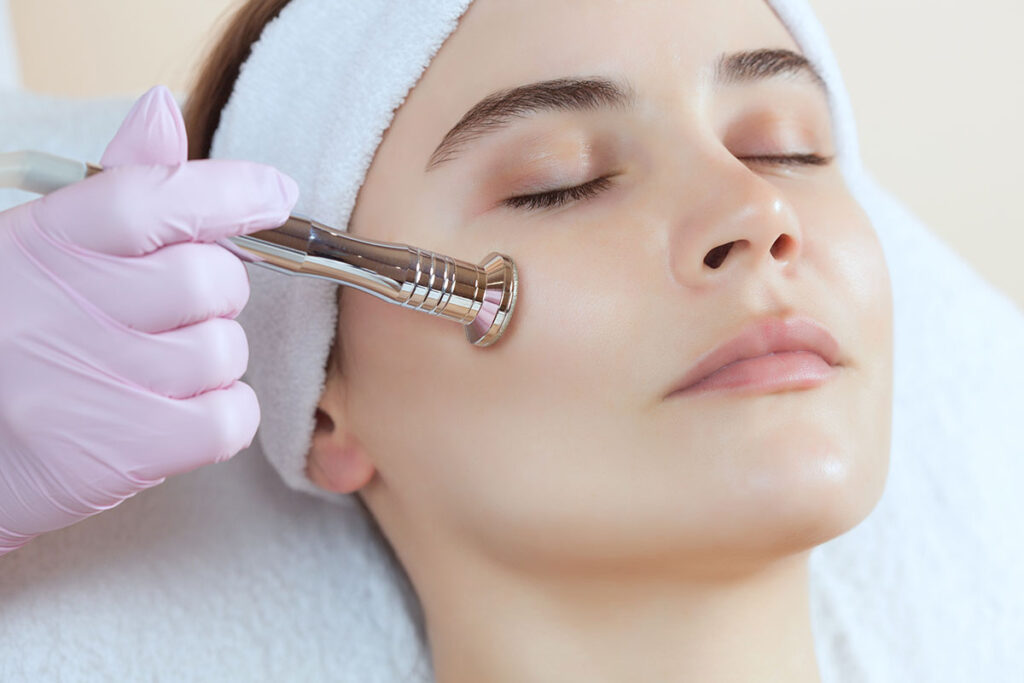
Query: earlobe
x,y
337,462
343,471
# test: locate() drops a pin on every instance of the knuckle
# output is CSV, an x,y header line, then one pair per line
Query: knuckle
x,y
228,349
241,353
235,348
212,280
221,428
215,352
251,405
236,277
192,285
235,403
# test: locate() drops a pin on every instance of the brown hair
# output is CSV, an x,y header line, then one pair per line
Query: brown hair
x,y
219,70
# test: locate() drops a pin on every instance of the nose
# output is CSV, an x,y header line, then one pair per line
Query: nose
x,y
743,224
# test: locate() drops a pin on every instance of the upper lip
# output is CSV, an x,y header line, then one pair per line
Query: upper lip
x,y
761,337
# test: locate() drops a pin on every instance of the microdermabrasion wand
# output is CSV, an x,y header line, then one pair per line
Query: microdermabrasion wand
x,y
480,297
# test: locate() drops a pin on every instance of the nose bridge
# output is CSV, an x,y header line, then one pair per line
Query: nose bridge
x,y
744,222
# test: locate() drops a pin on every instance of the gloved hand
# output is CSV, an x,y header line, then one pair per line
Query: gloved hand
x,y
119,352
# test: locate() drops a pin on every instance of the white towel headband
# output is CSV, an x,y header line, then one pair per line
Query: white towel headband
x,y
314,98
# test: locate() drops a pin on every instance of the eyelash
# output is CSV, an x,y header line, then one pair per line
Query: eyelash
x,y
545,200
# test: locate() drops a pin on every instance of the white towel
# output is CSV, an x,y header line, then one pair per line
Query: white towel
x,y
224,574
371,52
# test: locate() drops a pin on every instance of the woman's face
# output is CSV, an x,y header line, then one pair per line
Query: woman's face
x,y
558,446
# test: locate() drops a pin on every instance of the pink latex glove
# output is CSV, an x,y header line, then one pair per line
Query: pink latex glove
x,y
119,352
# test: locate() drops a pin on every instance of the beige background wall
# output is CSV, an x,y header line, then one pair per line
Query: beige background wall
x,y
937,96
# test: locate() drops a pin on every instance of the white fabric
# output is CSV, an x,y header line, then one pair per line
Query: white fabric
x,y
370,53
223,574
10,72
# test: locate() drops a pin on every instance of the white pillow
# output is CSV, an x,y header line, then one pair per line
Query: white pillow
x,y
227,574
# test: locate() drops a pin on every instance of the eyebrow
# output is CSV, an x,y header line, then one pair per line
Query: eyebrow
x,y
497,110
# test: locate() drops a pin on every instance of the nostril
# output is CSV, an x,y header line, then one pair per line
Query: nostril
x,y
780,245
717,255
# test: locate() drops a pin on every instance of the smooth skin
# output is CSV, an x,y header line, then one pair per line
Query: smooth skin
x,y
559,517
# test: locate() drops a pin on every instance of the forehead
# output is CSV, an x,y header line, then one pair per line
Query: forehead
x,y
663,46
506,42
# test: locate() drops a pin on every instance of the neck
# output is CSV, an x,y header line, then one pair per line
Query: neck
x,y
488,625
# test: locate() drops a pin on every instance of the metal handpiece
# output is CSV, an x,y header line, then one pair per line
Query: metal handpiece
x,y
479,297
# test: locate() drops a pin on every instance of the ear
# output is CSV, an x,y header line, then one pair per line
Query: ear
x,y
336,460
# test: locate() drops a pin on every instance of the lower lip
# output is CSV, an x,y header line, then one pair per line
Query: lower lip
x,y
772,372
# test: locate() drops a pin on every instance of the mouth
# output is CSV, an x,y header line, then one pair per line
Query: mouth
x,y
769,354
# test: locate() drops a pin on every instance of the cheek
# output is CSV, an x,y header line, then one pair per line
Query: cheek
x,y
433,410
580,316
449,425
856,268
858,275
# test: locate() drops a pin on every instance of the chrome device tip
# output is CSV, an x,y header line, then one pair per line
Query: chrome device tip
x,y
499,299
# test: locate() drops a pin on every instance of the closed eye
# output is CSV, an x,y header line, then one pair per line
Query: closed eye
x,y
559,197
590,189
